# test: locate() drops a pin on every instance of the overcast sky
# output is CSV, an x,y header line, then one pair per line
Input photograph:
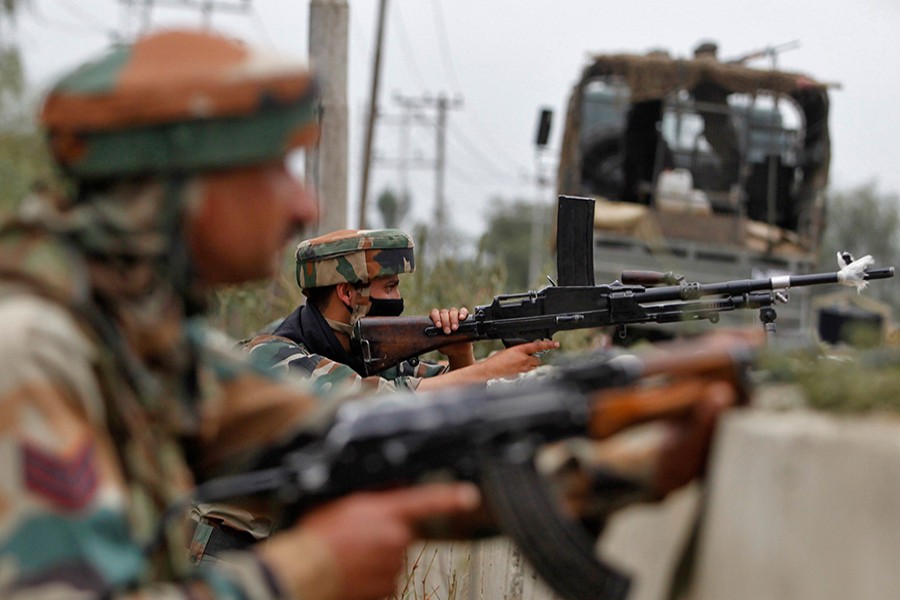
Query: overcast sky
x,y
505,59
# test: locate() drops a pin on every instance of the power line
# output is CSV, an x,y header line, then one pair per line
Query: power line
x,y
485,131
408,54
440,25
201,5
360,38
446,57
74,9
261,27
206,7
469,178
441,105
413,122
473,148
41,17
445,50
457,137
372,112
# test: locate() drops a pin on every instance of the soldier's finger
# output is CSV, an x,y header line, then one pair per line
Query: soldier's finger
x,y
416,503
539,346
435,315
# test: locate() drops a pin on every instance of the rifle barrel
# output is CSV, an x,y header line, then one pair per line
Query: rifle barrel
x,y
692,291
820,278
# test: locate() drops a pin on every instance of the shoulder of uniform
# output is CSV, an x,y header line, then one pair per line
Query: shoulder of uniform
x,y
30,318
275,351
44,342
43,261
270,341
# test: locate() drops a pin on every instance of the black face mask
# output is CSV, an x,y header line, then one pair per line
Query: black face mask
x,y
385,307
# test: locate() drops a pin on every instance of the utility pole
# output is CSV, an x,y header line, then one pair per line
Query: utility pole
x,y
441,104
404,153
404,160
373,114
326,167
440,222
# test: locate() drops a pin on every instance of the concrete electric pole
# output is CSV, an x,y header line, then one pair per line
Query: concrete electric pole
x,y
440,104
326,168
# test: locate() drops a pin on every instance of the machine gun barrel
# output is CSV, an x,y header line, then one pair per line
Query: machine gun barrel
x,y
690,291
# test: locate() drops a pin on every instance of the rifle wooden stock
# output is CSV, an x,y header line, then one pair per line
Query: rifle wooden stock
x,y
386,341
671,383
618,409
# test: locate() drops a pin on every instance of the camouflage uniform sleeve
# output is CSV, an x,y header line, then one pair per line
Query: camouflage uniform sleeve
x,y
328,377
67,527
420,370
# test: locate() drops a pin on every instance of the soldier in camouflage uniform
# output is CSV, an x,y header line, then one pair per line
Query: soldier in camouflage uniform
x,y
350,274
113,397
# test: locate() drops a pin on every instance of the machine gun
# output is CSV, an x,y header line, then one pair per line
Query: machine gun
x,y
490,436
768,52
518,318
575,302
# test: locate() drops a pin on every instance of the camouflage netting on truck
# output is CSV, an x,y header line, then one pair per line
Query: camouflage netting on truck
x,y
652,77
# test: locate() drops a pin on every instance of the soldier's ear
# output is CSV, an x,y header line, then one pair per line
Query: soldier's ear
x,y
344,293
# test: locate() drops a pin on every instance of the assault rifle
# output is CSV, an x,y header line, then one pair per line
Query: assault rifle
x,y
518,318
490,436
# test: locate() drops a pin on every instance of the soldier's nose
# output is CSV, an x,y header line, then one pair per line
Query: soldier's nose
x,y
305,207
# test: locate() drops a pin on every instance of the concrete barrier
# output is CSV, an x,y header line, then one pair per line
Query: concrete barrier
x,y
800,506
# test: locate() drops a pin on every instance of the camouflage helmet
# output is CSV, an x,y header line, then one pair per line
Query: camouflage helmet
x,y
177,102
353,256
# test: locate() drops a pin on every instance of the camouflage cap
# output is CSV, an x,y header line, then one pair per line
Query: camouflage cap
x,y
353,256
179,101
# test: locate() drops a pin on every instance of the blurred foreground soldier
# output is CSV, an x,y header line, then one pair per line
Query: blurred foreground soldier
x,y
347,275
114,398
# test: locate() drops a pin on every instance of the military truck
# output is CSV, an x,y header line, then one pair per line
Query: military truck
x,y
710,169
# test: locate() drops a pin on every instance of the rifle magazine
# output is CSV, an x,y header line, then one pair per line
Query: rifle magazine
x,y
558,548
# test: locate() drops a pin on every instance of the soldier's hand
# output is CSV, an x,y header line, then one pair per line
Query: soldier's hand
x,y
448,319
517,359
663,454
460,354
685,449
354,548
506,363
